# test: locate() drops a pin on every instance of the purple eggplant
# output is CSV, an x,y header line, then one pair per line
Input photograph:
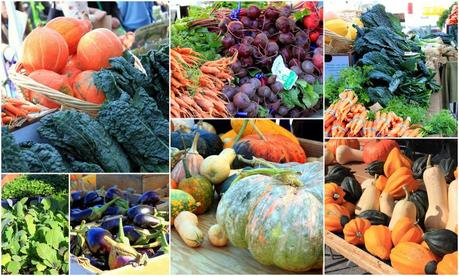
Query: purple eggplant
x,y
89,214
149,198
112,224
100,263
91,199
139,209
146,221
115,210
112,193
99,240
77,199
137,235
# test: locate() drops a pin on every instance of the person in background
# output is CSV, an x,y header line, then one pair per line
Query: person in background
x,y
111,8
135,14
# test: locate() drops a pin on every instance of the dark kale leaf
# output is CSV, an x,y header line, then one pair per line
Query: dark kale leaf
x,y
11,154
42,158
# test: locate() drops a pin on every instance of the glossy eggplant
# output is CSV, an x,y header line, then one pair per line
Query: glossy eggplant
x,y
146,221
137,235
115,210
112,193
112,224
140,209
77,199
89,214
99,240
149,198
91,199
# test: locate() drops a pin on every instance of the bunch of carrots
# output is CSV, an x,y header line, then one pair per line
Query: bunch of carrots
x,y
348,118
13,109
196,86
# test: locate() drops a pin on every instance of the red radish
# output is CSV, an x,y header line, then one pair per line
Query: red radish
x,y
310,6
314,35
312,21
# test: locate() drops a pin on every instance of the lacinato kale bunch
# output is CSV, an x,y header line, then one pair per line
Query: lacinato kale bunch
x,y
139,127
11,154
76,134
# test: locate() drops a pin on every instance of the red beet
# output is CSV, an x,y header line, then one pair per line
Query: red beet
x,y
253,12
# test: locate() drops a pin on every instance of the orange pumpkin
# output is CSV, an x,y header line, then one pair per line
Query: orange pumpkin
x,y
332,144
395,160
378,150
424,244
44,48
412,258
71,29
350,207
70,72
335,217
73,61
401,177
174,184
97,47
448,265
52,80
84,88
355,229
381,182
334,193
378,241
405,230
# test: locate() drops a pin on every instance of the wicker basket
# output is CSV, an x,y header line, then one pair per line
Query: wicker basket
x,y
18,76
336,44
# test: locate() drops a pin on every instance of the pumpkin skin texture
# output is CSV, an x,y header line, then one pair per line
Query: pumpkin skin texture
x,y
401,177
266,216
395,160
71,71
405,230
84,88
200,189
448,265
411,258
97,47
355,229
71,29
333,193
193,161
44,48
350,207
381,182
276,148
332,144
181,201
378,241
336,216
378,150
52,80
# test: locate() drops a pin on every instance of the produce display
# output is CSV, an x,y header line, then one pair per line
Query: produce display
x,y
112,107
35,225
114,228
402,210
392,79
258,60
254,176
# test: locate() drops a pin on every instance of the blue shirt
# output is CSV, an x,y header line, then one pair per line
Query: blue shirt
x,y
135,14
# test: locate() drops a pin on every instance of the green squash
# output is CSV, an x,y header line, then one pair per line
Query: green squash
x,y
419,198
375,168
419,166
448,165
375,217
337,173
181,201
277,215
441,241
352,188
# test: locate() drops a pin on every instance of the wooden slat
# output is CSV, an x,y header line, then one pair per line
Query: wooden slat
x,y
311,147
360,257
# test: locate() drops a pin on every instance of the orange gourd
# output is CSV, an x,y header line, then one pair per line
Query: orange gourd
x,y
332,144
378,241
403,176
335,217
405,230
355,229
395,160
84,88
412,258
97,47
448,265
334,193
71,29
44,48
350,207
174,184
70,71
381,182
228,138
378,150
52,80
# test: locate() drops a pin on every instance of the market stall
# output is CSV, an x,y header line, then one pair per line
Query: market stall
x,y
119,224
390,70
69,80
390,206
226,177
252,60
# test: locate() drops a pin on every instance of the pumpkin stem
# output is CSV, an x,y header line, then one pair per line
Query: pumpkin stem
x,y
407,194
255,161
257,130
185,167
429,161
287,177
194,146
241,132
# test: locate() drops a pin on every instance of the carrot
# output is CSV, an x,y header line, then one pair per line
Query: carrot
x,y
14,110
31,108
16,102
7,119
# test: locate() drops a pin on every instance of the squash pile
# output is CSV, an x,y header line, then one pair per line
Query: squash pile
x,y
268,169
405,213
64,55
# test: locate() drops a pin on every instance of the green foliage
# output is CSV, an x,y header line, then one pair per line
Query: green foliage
x,y
11,154
302,95
442,19
35,185
402,108
442,123
355,78
34,237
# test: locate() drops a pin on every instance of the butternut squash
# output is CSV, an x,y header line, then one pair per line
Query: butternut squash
x,y
217,235
437,193
386,204
186,224
368,182
403,209
345,154
329,157
217,168
369,200
452,207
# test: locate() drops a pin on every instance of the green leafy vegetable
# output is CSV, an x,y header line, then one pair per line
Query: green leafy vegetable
x,y
11,154
355,78
443,123
303,95
401,107
35,185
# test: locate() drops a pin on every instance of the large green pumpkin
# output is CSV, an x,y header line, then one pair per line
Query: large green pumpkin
x,y
277,215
